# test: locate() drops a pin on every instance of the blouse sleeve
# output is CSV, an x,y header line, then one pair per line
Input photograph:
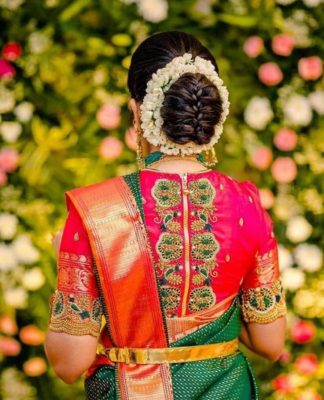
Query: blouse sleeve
x,y
262,298
75,306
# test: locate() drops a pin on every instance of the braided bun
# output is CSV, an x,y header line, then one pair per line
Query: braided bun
x,y
192,107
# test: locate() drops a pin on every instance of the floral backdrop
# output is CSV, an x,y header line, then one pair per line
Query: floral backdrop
x,y
64,122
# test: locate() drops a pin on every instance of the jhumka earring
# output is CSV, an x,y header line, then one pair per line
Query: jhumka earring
x,y
139,147
210,157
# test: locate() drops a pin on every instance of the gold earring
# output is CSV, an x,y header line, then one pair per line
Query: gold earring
x,y
210,157
139,147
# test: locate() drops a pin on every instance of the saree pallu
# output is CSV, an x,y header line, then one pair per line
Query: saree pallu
x,y
132,304
222,378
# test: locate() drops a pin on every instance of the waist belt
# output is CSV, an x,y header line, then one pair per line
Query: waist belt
x,y
171,354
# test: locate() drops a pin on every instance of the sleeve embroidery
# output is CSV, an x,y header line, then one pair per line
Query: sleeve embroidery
x,y
75,307
75,314
262,298
263,304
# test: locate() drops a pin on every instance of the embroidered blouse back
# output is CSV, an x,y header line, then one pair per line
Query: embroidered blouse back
x,y
211,240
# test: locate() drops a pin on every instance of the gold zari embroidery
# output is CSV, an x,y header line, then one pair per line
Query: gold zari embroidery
x,y
263,304
75,314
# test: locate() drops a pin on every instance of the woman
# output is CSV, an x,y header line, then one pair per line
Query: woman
x,y
161,272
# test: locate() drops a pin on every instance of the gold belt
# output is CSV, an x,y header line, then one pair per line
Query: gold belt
x,y
171,354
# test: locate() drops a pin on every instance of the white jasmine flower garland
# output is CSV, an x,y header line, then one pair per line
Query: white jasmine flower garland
x,y
160,82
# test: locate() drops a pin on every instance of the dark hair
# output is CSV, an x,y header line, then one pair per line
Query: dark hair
x,y
192,105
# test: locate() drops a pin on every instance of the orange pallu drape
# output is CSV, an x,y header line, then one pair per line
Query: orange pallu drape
x,y
127,280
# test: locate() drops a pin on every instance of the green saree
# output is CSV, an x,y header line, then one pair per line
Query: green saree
x,y
223,378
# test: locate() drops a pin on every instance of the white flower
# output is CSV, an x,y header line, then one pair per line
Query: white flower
x,y
24,250
258,112
312,3
33,279
309,257
38,42
292,278
153,10
11,4
298,229
316,100
10,131
297,110
16,297
285,257
8,225
153,100
24,111
8,259
7,100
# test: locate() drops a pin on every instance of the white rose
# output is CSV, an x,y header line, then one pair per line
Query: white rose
x,y
33,279
312,3
309,257
11,4
8,259
16,297
38,42
8,225
153,10
258,112
292,278
297,110
316,100
298,229
10,131
24,250
24,111
7,100
285,257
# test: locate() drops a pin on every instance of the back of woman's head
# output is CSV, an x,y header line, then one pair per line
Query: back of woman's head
x,y
192,105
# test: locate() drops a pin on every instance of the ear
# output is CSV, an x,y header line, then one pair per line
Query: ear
x,y
134,106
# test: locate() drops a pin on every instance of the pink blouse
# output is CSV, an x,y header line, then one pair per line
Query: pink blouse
x,y
211,238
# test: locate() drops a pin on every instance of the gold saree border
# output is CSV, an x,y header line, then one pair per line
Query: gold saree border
x,y
123,259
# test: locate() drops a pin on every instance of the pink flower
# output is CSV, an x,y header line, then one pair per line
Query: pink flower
x,y
283,383
108,116
266,197
31,335
110,148
35,366
8,159
3,178
253,46
284,169
9,346
261,157
283,44
8,325
310,68
11,51
270,74
130,138
306,364
7,71
303,332
285,139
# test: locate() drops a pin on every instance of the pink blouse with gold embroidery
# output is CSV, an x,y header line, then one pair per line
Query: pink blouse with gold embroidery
x,y
211,239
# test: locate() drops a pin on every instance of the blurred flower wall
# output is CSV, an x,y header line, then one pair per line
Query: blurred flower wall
x,y
64,122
